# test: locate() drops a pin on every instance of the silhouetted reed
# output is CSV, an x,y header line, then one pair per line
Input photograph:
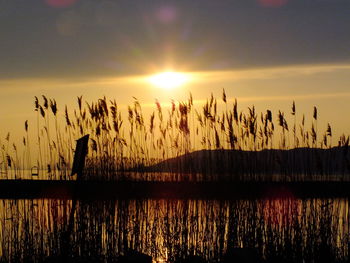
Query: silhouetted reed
x,y
124,145
177,143
280,230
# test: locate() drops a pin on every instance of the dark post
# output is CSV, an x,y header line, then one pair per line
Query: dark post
x,y
78,167
79,156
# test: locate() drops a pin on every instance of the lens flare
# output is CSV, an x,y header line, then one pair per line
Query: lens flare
x,y
167,14
60,3
273,3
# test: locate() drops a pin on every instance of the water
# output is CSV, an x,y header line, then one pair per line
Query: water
x,y
32,230
98,174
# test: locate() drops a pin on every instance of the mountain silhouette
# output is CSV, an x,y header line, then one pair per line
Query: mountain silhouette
x,y
238,164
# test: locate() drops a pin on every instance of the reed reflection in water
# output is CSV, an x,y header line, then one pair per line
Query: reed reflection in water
x,y
280,229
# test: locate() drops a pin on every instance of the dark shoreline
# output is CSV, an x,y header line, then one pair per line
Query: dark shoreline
x,y
100,190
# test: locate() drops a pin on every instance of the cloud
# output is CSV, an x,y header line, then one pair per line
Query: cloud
x,y
267,73
104,38
310,96
198,77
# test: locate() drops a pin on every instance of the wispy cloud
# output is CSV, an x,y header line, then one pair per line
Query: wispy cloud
x,y
267,73
310,96
203,77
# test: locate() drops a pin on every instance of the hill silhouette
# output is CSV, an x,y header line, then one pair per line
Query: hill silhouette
x,y
298,163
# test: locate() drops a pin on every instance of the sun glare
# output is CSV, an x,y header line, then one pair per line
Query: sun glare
x,y
169,80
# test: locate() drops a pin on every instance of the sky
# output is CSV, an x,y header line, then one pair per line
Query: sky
x,y
262,52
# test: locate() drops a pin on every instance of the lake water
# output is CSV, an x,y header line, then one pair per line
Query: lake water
x,y
294,229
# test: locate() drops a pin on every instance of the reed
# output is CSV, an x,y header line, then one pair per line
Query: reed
x,y
281,230
206,144
123,148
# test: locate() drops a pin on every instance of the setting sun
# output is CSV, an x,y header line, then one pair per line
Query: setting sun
x,y
169,80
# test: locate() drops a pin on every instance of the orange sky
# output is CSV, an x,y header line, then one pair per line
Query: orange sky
x,y
262,52
324,86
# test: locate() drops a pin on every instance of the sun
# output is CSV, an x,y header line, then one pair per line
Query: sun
x,y
169,79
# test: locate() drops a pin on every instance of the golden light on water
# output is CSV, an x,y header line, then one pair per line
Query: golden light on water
x,y
169,79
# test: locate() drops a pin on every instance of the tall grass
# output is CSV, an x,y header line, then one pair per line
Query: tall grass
x,y
281,230
125,141
123,145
